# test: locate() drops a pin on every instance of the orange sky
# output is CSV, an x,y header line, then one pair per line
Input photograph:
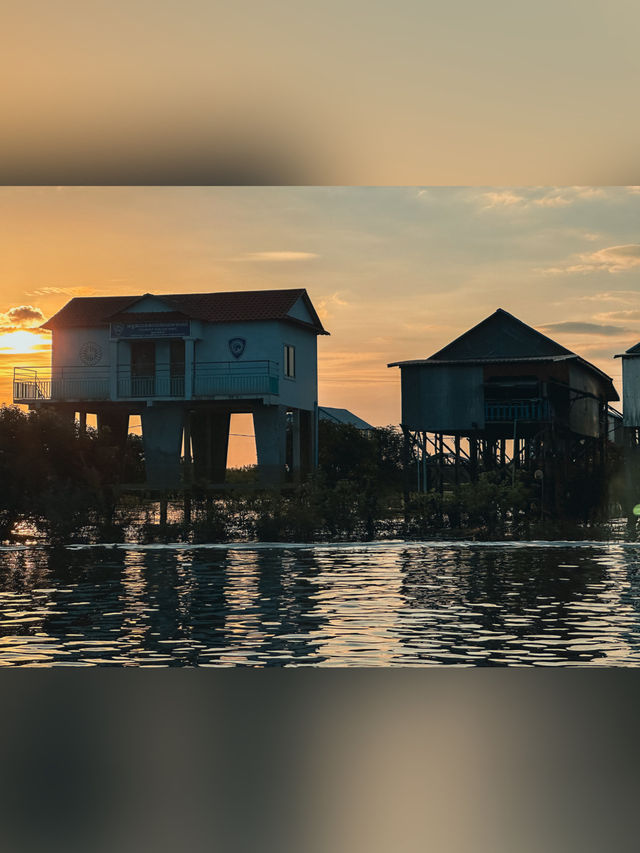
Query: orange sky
x,y
394,272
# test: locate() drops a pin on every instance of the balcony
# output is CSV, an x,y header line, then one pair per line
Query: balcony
x,y
236,379
219,379
517,410
30,385
163,384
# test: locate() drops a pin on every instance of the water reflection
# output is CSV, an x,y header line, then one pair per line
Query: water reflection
x,y
380,604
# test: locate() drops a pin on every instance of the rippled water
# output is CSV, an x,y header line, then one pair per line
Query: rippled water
x,y
380,604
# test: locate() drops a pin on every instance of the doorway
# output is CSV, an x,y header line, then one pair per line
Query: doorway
x,y
143,368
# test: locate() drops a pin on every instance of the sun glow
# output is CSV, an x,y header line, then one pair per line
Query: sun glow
x,y
22,342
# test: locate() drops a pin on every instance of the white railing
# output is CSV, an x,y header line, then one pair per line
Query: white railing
x,y
209,379
240,378
150,386
30,385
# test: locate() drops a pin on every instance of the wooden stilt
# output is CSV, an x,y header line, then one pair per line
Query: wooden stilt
x,y
163,512
473,458
188,467
457,460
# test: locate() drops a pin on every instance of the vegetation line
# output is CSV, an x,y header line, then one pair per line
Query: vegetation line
x,y
62,485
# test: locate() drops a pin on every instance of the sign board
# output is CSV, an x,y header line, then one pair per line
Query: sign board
x,y
150,330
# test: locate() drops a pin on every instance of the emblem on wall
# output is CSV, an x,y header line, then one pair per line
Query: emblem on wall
x,y
90,353
237,345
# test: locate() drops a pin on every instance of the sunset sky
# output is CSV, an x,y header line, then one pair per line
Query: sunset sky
x,y
394,273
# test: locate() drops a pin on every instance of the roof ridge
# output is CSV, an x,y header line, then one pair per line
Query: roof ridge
x,y
269,304
498,313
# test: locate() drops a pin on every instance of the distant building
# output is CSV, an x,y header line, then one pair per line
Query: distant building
x,y
185,363
631,388
342,416
512,395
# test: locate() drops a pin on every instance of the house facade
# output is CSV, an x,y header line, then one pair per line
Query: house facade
x,y
500,372
184,363
505,394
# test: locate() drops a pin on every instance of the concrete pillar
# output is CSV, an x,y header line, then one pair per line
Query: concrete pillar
x,y
296,449
220,422
162,439
307,441
64,413
117,423
210,441
315,432
270,427
630,498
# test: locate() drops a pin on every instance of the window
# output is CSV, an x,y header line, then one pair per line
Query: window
x,y
289,361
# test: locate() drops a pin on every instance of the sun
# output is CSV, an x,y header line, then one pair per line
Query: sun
x,y
21,342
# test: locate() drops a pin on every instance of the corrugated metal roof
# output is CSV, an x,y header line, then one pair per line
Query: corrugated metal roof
x,y
501,335
432,362
632,351
224,307
503,339
342,416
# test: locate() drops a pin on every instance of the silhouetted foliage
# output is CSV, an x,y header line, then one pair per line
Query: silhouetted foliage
x,y
66,483
347,453
59,477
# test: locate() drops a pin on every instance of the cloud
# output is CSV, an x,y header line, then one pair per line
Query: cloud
x,y
624,316
626,297
277,256
325,306
503,198
21,317
613,259
588,192
580,328
551,198
68,291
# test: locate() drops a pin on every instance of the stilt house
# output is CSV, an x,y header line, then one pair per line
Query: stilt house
x,y
511,395
184,363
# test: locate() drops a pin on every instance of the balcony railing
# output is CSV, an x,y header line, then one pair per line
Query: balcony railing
x,y
236,379
31,385
209,379
517,410
149,386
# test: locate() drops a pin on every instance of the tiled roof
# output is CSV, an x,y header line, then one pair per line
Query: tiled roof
x,y
228,307
148,317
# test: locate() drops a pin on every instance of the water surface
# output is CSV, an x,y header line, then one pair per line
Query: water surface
x,y
374,604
